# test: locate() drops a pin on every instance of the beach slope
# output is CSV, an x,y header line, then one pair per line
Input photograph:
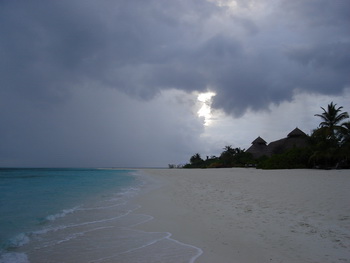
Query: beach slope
x,y
249,215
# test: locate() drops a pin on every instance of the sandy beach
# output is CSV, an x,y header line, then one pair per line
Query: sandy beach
x,y
249,215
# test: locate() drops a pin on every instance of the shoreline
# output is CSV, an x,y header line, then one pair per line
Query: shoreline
x,y
249,215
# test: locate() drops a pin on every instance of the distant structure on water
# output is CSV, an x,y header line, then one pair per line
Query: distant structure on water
x,y
296,138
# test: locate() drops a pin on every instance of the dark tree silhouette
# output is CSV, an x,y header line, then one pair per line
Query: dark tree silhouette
x,y
196,159
329,137
331,120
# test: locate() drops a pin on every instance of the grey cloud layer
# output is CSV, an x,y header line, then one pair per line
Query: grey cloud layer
x,y
141,47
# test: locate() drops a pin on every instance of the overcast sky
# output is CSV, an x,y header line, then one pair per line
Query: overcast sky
x,y
116,82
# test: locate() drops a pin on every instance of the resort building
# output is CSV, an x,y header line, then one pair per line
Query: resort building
x,y
296,138
258,148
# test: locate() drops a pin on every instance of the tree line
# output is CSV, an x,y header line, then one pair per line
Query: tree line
x,y
327,147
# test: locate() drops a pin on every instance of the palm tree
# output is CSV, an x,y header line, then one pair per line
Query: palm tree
x,y
345,132
345,144
196,159
331,120
229,150
328,138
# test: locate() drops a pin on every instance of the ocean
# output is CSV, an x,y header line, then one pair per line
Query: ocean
x,y
79,215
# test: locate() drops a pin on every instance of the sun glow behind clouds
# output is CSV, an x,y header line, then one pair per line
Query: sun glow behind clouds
x,y
205,100
225,3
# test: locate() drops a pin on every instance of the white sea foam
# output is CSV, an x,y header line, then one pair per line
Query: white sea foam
x,y
102,220
163,249
70,237
132,249
14,258
168,237
18,241
61,214
199,251
147,219
102,207
62,227
125,193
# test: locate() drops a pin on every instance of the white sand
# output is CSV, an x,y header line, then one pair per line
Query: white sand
x,y
249,215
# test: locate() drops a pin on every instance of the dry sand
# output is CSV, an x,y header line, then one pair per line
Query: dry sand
x,y
250,215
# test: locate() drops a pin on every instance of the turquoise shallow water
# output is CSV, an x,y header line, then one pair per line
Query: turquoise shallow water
x,y
28,196
79,215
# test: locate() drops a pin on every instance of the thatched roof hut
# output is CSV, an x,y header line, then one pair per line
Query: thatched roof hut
x,y
296,138
296,133
259,141
258,148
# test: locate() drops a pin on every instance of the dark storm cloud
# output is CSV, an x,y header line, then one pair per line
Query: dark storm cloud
x,y
325,67
141,47
321,13
331,56
70,71
49,46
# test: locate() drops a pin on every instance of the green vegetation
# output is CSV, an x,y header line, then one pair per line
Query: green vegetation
x,y
230,157
327,147
291,159
330,142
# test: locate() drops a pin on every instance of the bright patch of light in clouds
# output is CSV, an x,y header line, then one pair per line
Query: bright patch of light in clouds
x,y
225,3
205,111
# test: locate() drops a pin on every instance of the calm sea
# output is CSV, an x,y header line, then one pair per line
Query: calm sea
x,y
79,215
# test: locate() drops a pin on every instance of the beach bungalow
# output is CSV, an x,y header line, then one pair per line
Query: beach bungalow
x,y
258,148
296,138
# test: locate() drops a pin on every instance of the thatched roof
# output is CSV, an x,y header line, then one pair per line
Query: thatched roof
x,y
259,140
296,138
277,147
258,148
296,133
